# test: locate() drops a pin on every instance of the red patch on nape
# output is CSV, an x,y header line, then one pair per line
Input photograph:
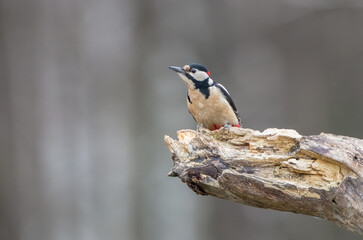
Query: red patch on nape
x,y
236,125
208,73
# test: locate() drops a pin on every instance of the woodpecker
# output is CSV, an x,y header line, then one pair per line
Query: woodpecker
x,y
208,102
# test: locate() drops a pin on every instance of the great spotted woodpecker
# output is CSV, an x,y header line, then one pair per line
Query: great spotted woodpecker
x,y
209,102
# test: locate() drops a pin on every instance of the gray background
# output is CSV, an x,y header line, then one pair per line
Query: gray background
x,y
86,97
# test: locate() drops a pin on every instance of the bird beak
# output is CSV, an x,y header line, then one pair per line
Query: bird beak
x,y
177,69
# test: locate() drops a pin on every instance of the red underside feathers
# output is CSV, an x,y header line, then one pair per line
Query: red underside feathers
x,y
215,126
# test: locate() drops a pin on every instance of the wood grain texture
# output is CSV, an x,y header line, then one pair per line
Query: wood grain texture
x,y
278,169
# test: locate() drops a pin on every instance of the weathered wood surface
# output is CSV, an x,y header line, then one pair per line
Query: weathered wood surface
x,y
319,175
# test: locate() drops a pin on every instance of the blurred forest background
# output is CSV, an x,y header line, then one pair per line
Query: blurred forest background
x,y
86,97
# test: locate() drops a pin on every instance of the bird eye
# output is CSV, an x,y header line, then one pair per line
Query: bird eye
x,y
193,70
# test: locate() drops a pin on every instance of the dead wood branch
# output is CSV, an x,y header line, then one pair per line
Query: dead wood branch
x,y
319,175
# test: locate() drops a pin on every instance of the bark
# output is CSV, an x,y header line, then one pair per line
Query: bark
x,y
279,169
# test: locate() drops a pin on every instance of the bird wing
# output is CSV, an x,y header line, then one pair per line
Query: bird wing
x,y
229,99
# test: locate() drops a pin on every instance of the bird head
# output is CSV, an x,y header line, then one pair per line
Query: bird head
x,y
193,74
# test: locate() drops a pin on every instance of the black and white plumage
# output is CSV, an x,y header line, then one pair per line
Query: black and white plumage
x,y
208,102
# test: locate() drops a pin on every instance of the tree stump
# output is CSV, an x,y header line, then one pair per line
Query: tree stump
x,y
279,169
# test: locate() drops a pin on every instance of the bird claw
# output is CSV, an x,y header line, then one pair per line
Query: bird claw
x,y
227,126
199,127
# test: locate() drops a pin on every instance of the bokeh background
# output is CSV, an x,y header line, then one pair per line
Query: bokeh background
x,y
86,97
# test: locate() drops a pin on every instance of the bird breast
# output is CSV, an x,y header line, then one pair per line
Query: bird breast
x,y
215,110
